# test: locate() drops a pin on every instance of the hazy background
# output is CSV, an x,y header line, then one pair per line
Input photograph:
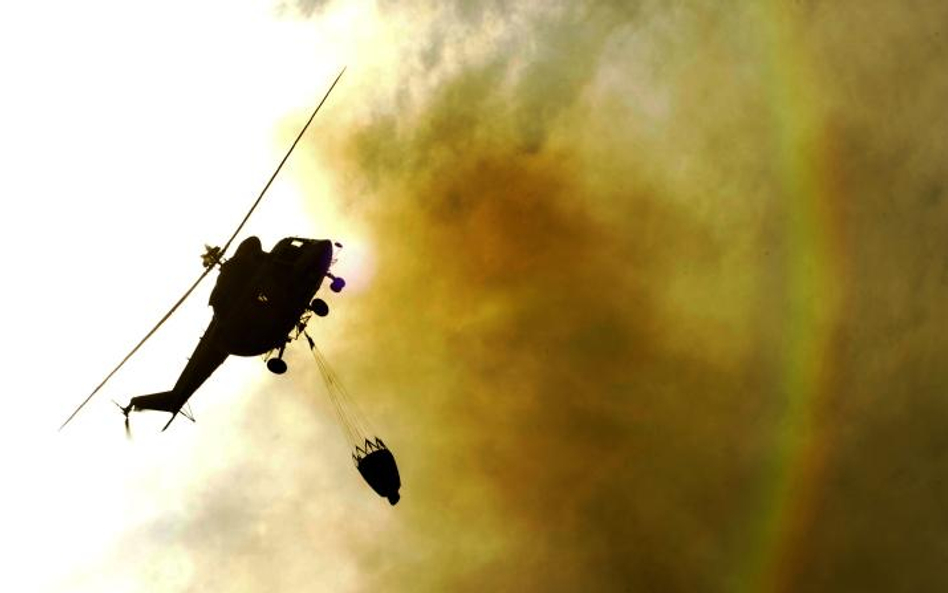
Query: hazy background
x,y
644,296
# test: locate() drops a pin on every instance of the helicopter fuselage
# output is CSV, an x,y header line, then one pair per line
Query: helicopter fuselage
x,y
258,300
259,297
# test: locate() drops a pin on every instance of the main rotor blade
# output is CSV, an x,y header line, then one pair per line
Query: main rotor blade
x,y
139,345
211,267
280,166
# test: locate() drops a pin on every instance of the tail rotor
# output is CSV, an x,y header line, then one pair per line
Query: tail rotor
x,y
125,411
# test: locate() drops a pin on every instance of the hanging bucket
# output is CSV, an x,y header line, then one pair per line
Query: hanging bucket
x,y
373,459
377,465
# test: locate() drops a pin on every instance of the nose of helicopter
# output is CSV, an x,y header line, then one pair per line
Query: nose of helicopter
x,y
318,259
324,254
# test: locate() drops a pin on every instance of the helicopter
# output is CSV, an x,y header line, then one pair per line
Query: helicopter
x,y
262,301
259,300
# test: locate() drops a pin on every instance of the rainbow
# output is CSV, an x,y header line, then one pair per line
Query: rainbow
x,y
813,298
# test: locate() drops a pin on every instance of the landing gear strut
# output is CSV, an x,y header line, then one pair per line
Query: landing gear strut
x,y
277,365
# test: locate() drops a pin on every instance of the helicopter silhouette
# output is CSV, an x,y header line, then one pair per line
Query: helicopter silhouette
x,y
259,300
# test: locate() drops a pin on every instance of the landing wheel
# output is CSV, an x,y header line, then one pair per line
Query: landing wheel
x,y
337,284
277,366
319,307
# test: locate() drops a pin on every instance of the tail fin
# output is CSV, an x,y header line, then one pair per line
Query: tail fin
x,y
166,401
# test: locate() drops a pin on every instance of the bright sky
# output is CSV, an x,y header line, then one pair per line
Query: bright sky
x,y
130,139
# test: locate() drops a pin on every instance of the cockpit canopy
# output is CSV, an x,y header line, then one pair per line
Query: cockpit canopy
x,y
289,249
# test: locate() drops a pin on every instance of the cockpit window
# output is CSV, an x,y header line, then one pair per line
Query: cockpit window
x,y
288,250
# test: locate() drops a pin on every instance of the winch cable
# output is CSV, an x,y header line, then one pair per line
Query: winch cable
x,y
353,422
